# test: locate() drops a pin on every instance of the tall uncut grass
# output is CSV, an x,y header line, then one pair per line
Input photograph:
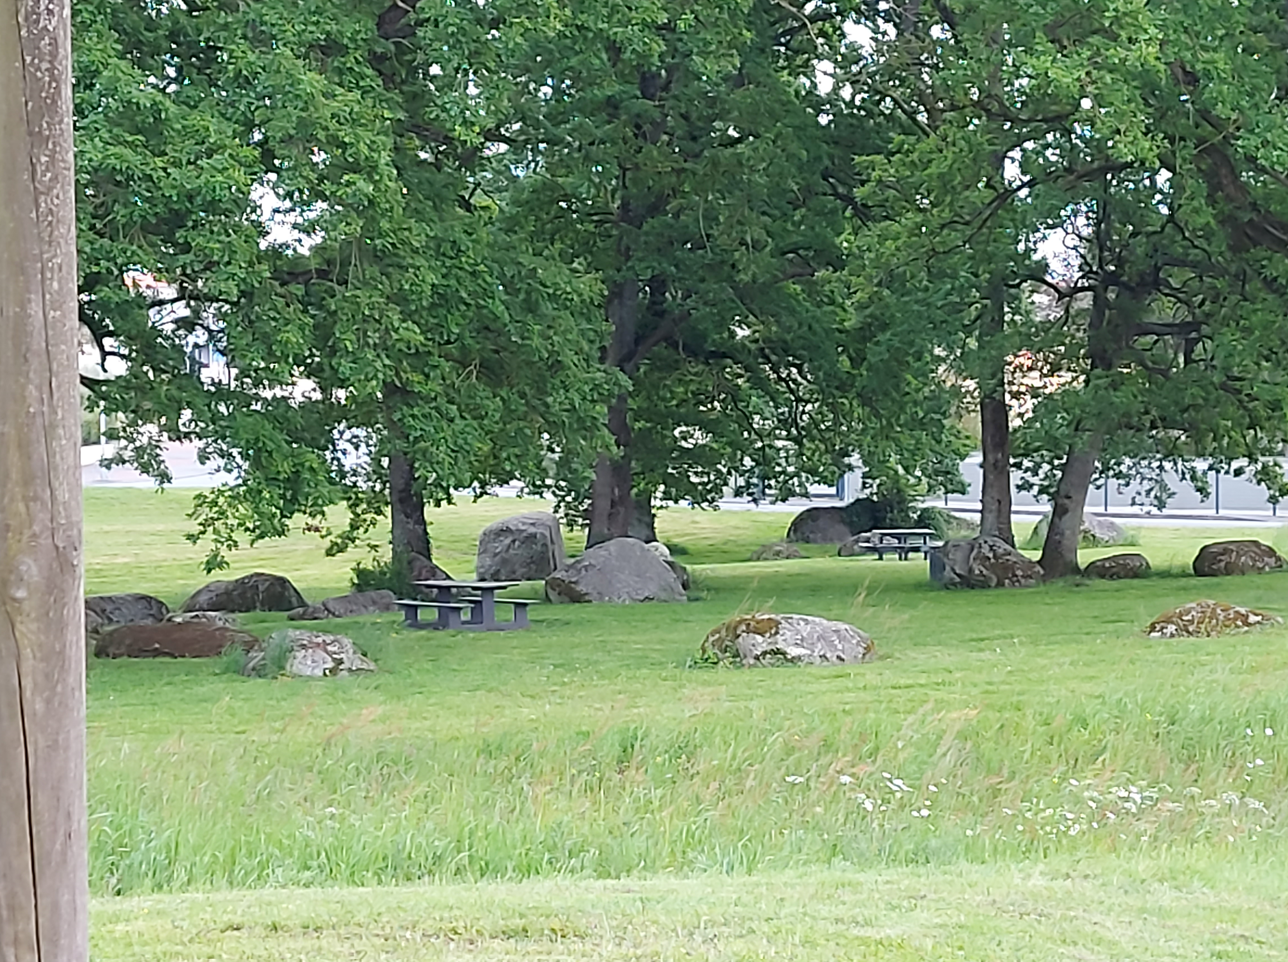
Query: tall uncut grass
x,y
994,726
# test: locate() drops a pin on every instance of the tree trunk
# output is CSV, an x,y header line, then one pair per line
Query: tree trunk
x,y
1060,550
643,518
44,893
995,428
611,505
612,508
406,509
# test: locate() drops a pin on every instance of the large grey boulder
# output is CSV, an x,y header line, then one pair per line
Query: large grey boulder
x,y
258,591
107,611
623,570
347,606
194,639
821,525
526,547
767,639
662,551
309,654
1236,558
1096,531
1118,567
982,562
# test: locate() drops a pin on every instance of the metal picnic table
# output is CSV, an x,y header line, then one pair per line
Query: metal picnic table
x,y
902,541
475,611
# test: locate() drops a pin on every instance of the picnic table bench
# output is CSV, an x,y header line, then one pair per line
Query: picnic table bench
x,y
901,542
466,606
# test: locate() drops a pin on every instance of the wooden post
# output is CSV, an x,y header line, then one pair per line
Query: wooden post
x,y
44,895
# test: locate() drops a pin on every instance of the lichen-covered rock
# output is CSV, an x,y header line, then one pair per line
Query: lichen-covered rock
x,y
1205,619
820,525
309,654
170,640
526,547
347,606
1236,558
622,570
778,551
225,618
1118,567
764,639
982,562
257,591
1096,531
108,611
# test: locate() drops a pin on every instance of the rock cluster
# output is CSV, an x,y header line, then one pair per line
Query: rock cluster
x,y
1205,619
764,639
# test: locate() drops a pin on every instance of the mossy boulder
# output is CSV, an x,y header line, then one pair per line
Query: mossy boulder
x,y
763,639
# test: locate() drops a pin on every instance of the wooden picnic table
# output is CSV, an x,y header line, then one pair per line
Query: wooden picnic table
x,y
902,541
473,610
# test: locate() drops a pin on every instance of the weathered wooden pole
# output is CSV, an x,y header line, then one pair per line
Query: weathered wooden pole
x,y
44,895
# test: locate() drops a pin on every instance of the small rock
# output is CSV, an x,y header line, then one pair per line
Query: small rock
x,y
1236,558
982,562
622,570
857,545
1205,619
347,606
108,611
312,654
171,640
1119,567
768,639
225,618
526,547
258,591
777,551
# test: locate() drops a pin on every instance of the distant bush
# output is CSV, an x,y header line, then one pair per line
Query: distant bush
x,y
390,574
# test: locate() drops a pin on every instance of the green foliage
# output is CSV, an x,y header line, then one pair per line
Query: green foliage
x,y
390,574
232,660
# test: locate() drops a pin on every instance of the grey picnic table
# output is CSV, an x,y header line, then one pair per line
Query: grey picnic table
x,y
472,610
902,542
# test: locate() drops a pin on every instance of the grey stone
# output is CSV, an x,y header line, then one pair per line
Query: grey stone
x,y
312,654
1119,567
821,525
526,547
347,606
421,568
982,562
778,551
1096,531
108,611
768,639
623,570
258,591
225,618
1236,558
170,639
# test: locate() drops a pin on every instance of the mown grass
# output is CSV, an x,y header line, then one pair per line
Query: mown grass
x,y
997,732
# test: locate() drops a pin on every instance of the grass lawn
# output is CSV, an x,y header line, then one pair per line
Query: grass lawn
x,y
1021,775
